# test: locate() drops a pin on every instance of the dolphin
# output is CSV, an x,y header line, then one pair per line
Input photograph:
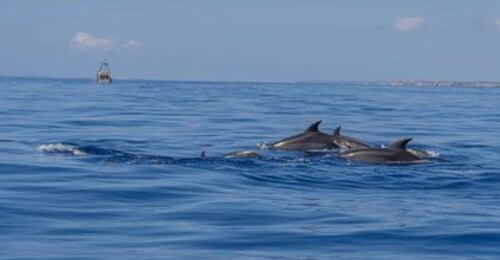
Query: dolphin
x,y
394,153
311,139
243,154
235,154
347,143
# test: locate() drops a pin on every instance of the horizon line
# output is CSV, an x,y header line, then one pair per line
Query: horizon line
x,y
389,81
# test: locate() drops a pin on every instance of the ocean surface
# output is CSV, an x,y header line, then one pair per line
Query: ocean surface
x,y
114,171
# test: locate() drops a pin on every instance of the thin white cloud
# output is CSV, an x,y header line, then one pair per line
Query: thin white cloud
x,y
408,24
132,45
87,41
496,23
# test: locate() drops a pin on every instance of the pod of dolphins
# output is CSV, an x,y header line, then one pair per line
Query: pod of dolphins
x,y
352,149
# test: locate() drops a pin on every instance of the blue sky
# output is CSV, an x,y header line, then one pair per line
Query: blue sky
x,y
257,40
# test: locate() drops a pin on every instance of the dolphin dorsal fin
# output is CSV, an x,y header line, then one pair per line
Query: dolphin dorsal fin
x,y
336,132
313,127
400,144
203,155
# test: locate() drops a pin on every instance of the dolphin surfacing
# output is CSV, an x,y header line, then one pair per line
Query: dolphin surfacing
x,y
396,153
236,154
311,139
347,143
243,154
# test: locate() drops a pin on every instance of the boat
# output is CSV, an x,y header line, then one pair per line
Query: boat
x,y
104,75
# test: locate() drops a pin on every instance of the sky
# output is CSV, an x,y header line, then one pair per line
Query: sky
x,y
252,40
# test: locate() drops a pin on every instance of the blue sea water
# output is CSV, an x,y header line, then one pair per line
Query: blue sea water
x,y
114,171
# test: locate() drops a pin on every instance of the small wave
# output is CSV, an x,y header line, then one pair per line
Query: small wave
x,y
425,153
112,155
433,154
60,148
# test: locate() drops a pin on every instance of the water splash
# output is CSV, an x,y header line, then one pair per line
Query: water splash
x,y
424,153
60,148
264,146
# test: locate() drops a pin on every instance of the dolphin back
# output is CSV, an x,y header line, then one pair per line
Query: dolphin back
x,y
380,156
394,153
242,154
347,143
311,139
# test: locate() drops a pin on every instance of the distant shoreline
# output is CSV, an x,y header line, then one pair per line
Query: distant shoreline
x,y
396,83
414,83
